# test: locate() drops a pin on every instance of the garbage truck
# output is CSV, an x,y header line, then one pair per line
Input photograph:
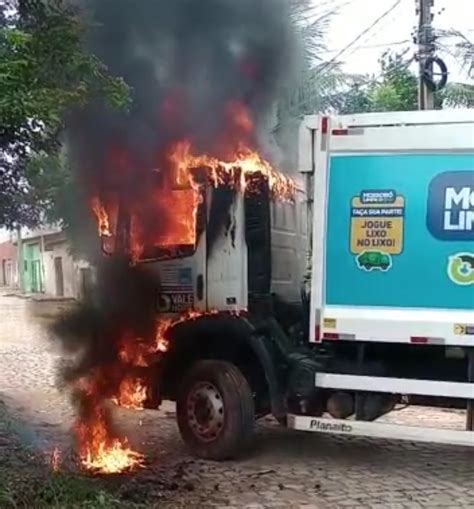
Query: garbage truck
x,y
333,310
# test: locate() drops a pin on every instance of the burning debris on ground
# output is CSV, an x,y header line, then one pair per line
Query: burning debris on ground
x,y
202,76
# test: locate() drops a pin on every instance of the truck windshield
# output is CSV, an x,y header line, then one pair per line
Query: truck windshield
x,y
168,225
176,233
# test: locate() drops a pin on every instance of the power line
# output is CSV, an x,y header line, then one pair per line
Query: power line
x,y
380,27
372,25
370,46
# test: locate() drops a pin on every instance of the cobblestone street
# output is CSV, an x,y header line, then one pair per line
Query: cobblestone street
x,y
284,470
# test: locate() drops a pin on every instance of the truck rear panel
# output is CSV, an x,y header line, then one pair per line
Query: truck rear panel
x,y
393,254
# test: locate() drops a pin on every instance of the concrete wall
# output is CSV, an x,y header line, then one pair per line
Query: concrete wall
x,y
49,267
8,264
85,279
33,279
57,260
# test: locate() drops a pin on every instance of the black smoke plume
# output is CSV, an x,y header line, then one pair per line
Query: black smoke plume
x,y
185,60
188,63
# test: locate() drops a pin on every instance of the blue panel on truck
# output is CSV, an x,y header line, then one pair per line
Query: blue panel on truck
x,y
400,231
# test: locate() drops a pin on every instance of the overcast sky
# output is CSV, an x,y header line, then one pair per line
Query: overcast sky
x,y
394,31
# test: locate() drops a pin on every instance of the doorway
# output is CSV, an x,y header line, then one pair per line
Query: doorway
x,y
58,271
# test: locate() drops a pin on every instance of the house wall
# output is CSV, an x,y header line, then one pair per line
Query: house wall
x,y
32,268
60,251
8,264
49,268
85,279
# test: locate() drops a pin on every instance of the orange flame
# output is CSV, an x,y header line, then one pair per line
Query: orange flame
x,y
181,206
165,324
113,458
245,164
101,453
132,393
102,217
134,352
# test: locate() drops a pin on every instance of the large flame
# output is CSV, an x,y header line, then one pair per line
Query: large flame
x,y
98,450
244,164
166,216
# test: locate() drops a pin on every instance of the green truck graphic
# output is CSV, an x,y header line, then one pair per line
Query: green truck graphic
x,y
374,260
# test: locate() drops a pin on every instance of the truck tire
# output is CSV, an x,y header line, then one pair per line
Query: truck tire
x,y
215,410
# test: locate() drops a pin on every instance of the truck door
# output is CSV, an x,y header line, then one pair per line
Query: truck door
x,y
168,233
180,257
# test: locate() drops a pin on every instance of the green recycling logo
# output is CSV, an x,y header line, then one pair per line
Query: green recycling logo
x,y
461,269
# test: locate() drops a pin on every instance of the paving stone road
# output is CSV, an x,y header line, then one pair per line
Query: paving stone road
x,y
284,470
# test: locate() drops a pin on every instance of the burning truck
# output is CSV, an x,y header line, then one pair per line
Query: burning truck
x,y
239,336
213,272
180,178
213,278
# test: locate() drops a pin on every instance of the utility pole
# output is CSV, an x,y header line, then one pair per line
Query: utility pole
x,y
425,50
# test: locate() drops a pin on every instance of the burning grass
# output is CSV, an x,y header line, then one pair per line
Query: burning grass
x,y
99,451
30,480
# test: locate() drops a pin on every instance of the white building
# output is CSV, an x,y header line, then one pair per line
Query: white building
x,y
50,267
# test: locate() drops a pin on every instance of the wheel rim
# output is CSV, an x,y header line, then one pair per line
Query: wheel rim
x,y
205,411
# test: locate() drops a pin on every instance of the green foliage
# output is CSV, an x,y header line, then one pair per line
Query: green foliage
x,y
54,192
356,100
461,47
395,90
398,90
7,498
45,72
49,178
59,490
67,491
316,84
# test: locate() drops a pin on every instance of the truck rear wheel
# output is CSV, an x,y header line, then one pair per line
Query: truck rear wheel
x,y
215,410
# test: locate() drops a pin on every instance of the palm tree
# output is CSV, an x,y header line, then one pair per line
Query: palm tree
x,y
316,86
318,81
462,48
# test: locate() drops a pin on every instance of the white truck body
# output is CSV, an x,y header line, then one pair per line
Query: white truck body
x,y
392,134
400,185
